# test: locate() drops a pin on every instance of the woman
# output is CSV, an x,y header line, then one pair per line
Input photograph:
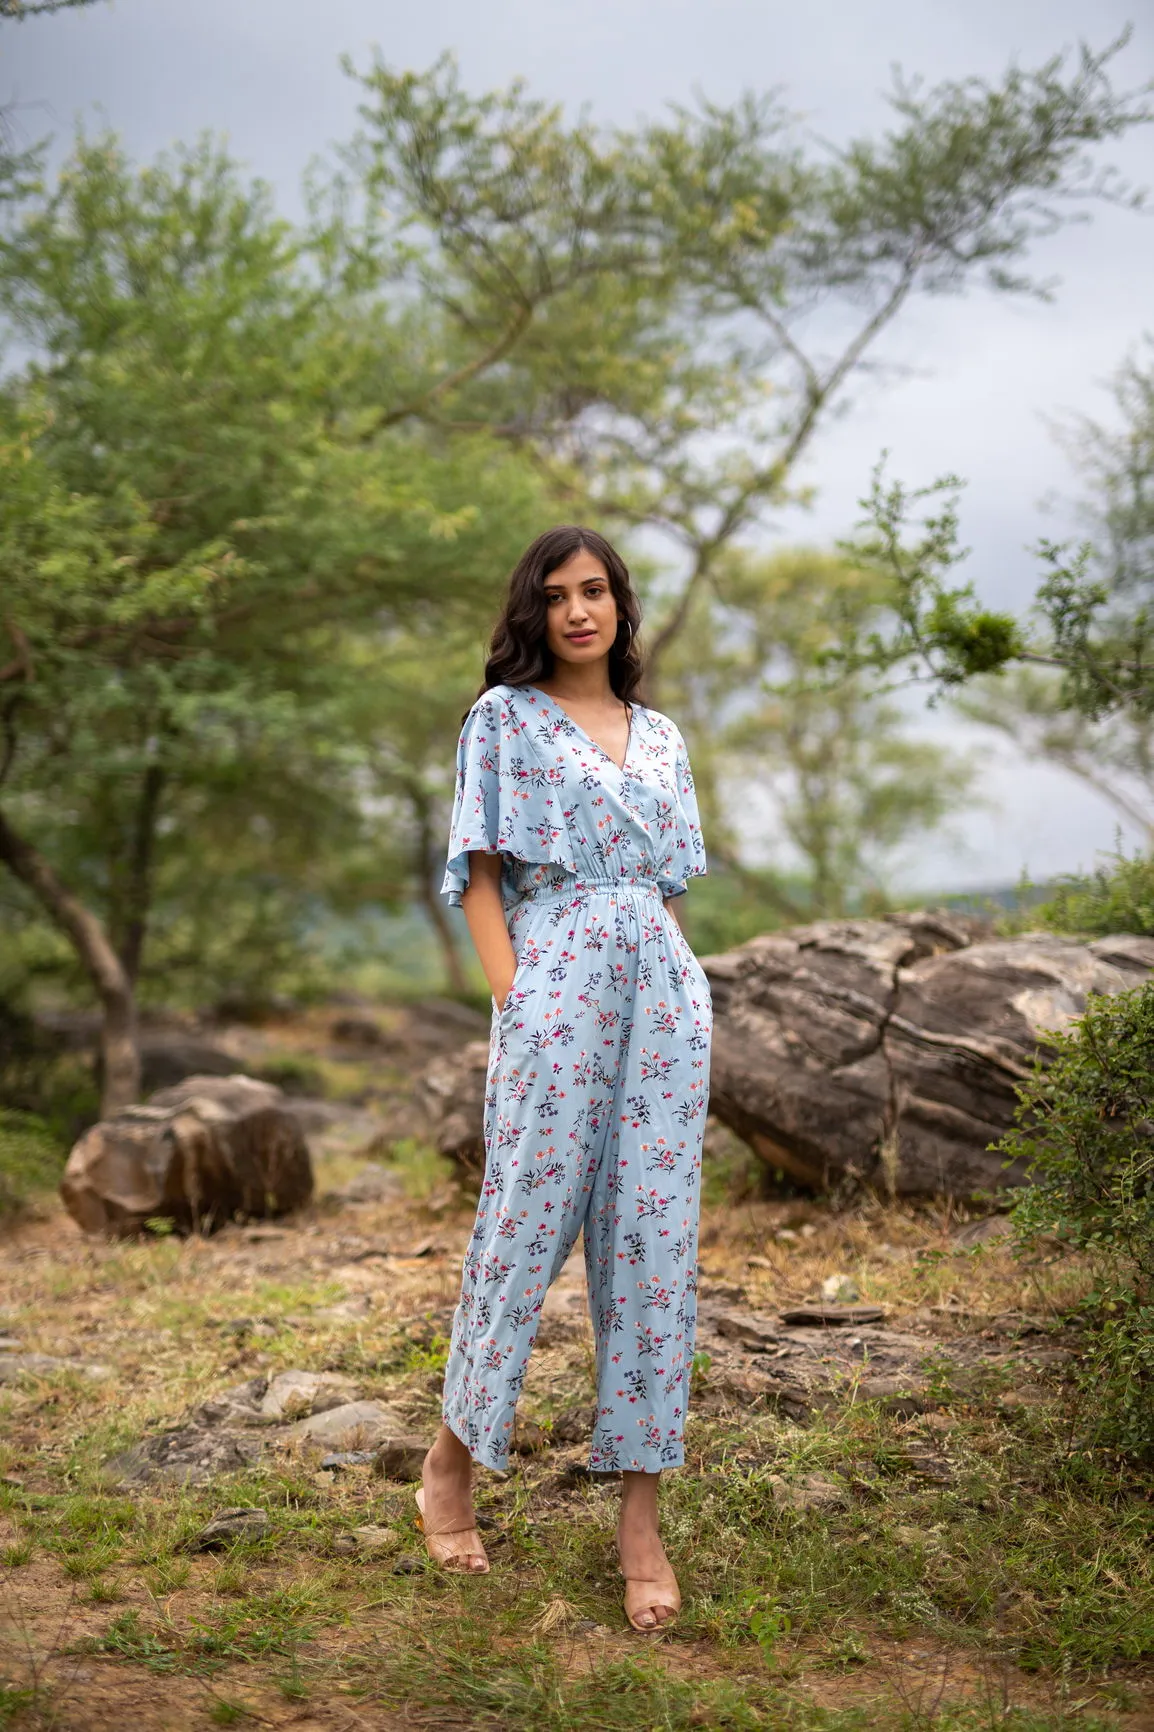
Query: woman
x,y
574,826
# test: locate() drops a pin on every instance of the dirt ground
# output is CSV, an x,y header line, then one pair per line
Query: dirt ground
x,y
887,1524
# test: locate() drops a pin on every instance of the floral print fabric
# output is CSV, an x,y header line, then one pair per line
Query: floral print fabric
x,y
598,1074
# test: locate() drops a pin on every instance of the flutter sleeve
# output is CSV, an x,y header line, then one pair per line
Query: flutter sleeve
x,y
685,858
506,801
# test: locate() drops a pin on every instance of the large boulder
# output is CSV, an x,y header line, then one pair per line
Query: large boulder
x,y
210,1150
888,1050
451,1092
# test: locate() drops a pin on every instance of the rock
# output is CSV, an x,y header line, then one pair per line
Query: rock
x,y
888,1050
400,1458
840,1290
746,1327
238,1405
292,1394
373,1184
825,1316
187,1455
16,1365
896,1395
228,1526
357,1031
343,1458
575,1425
810,1493
353,1425
373,1539
451,1091
529,1438
199,1154
989,1231
168,1056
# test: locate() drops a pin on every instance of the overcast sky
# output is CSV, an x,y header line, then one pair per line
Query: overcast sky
x,y
985,375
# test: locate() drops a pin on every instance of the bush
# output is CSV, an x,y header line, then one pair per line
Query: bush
x,y
1117,897
31,1159
1085,1126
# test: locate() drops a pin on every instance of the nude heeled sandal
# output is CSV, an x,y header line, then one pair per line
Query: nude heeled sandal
x,y
643,1595
469,1560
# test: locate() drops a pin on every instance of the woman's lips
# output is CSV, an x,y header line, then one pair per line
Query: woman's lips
x,y
580,636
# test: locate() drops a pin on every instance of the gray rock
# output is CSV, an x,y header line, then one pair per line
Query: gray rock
x,y
401,1458
888,1050
840,1290
373,1539
187,1455
293,1394
227,1527
451,1092
991,1230
342,1458
810,1493
353,1425
373,1184
16,1365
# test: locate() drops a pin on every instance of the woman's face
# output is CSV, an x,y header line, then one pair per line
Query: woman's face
x,y
581,616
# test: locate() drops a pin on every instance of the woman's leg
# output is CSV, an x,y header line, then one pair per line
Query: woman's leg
x,y
447,1505
652,1597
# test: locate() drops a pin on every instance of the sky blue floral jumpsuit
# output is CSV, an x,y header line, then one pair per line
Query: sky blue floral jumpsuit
x,y
598,1073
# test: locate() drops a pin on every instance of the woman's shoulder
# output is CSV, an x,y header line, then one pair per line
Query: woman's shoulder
x,y
658,724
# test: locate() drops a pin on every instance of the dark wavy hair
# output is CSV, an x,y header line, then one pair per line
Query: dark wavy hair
x,y
518,652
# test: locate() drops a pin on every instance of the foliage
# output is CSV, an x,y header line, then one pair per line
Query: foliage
x,y
638,306
1085,1128
31,1160
833,764
1116,897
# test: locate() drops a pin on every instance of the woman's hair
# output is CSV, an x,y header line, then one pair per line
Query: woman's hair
x,y
518,652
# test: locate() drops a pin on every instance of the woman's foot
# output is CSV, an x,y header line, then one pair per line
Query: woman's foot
x,y
445,1502
652,1597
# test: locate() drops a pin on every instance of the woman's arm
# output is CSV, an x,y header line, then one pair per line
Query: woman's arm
x,y
485,915
671,904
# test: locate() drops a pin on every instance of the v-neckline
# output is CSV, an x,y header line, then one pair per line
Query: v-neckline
x,y
573,722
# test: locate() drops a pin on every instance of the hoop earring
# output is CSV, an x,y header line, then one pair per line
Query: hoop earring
x,y
629,629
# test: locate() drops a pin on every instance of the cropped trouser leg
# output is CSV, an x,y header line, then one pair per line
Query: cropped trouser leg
x,y
594,1113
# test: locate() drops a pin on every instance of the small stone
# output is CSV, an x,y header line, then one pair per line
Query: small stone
x,y
810,1493
840,1290
348,1458
400,1458
292,1394
344,1545
408,1566
574,1425
17,1365
373,1539
529,1438
228,1526
787,1236
373,1184
808,1230
353,1425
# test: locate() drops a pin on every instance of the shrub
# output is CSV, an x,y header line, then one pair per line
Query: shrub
x,y
31,1160
1117,897
1085,1126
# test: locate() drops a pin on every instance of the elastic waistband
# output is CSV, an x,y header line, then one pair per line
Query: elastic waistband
x,y
590,886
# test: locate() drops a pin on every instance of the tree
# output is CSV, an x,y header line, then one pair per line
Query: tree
x,y
189,543
649,311
1030,704
831,758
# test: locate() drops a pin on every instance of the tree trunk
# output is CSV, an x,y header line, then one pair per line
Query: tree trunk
x,y
119,1047
139,892
438,914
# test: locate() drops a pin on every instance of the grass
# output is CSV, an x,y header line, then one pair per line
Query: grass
x,y
1016,1591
